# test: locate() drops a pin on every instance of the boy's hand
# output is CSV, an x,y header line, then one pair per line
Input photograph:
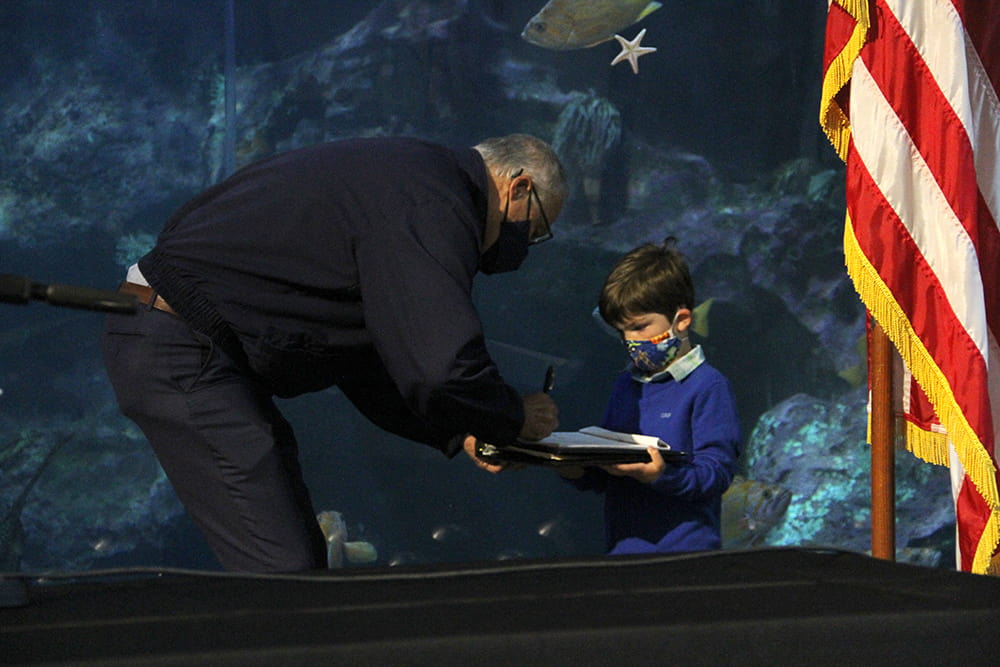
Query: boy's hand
x,y
644,472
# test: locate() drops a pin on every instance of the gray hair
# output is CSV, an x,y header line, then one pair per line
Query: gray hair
x,y
505,156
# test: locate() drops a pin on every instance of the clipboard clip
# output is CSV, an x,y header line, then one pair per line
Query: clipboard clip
x,y
485,449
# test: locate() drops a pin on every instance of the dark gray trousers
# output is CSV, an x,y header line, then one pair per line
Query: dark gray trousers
x,y
230,455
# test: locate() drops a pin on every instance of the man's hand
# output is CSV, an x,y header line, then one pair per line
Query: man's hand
x,y
541,416
469,445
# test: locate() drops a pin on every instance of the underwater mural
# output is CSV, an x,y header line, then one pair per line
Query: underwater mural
x,y
117,111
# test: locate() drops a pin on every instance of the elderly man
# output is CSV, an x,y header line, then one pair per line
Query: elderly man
x,y
346,264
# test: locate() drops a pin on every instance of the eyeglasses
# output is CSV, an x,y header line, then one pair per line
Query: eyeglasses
x,y
546,231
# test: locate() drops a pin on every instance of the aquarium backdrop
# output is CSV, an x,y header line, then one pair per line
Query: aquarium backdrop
x,y
115,112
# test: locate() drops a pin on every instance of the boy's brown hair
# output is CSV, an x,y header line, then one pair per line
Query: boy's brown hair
x,y
653,278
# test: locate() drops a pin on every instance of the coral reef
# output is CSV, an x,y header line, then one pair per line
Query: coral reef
x,y
817,450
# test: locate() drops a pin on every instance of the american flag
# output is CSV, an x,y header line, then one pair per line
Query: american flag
x,y
910,102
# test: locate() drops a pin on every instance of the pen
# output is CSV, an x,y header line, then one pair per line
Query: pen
x,y
550,379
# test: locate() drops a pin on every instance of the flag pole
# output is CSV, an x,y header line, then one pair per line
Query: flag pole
x,y
883,447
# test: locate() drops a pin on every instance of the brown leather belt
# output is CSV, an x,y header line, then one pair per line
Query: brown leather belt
x,y
147,296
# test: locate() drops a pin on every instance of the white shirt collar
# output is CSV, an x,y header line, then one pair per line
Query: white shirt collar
x,y
678,370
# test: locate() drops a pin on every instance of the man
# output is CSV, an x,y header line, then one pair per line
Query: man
x,y
349,264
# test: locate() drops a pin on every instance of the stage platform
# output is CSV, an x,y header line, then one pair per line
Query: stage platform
x,y
760,607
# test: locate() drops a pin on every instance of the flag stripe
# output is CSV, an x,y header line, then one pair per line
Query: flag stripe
x,y
839,30
977,528
922,121
984,99
935,30
982,22
969,99
954,62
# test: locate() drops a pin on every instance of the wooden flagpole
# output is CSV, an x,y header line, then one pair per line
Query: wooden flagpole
x,y
883,446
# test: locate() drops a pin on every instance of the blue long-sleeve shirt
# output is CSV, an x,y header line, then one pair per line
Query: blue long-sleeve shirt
x,y
693,410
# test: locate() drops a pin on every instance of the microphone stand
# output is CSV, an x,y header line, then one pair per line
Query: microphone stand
x,y
21,290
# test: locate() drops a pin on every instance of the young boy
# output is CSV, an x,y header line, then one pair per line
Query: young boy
x,y
669,391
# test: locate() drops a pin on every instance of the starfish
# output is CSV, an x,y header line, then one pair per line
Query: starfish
x,y
632,50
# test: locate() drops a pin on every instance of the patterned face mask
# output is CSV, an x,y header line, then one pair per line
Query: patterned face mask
x,y
654,354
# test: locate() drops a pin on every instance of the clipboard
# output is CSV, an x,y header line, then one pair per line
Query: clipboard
x,y
588,446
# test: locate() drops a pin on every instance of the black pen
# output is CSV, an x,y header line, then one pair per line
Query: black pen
x,y
550,379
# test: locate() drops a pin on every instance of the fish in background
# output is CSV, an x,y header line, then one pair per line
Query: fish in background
x,y
857,374
563,25
750,509
338,549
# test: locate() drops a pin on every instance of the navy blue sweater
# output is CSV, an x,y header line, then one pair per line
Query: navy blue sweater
x,y
348,263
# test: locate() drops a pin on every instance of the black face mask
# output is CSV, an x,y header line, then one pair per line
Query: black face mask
x,y
509,250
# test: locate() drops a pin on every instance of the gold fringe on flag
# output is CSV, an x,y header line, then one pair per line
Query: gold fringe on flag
x,y
929,443
832,118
